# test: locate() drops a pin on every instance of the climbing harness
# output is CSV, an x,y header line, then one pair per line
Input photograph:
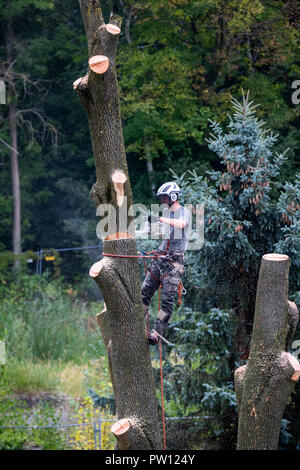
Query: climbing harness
x,y
154,255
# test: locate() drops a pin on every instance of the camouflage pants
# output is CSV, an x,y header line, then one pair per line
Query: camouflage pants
x,y
161,271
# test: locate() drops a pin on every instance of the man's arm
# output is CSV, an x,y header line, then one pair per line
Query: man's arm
x,y
178,223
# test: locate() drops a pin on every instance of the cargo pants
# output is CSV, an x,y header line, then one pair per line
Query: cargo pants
x,y
169,275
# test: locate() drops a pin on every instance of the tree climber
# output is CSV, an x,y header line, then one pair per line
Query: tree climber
x,y
168,267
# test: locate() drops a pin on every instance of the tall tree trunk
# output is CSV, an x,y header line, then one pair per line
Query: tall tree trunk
x,y
15,180
265,383
9,37
122,322
150,175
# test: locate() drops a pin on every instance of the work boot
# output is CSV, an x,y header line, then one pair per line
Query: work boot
x,y
153,338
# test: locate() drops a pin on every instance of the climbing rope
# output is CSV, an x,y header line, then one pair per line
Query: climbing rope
x,y
162,394
161,378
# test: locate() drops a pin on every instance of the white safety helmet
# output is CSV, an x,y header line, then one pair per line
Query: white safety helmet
x,y
169,189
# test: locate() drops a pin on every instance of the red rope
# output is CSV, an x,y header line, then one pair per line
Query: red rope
x,y
159,290
133,256
179,288
161,378
162,395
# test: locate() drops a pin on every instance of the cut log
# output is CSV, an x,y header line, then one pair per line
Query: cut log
x,y
264,385
125,431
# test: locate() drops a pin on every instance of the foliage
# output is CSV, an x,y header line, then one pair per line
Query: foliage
x,y
15,413
103,402
197,375
244,219
83,436
44,320
209,50
27,376
247,213
286,439
179,63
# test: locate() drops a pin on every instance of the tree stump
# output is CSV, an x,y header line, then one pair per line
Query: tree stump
x,y
265,383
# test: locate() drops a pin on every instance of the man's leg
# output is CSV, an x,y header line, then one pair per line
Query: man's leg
x,y
168,294
150,284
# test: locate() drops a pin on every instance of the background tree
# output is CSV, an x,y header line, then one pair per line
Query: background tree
x,y
217,47
221,46
243,210
19,87
244,219
185,38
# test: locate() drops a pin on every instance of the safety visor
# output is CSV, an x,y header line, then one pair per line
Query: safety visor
x,y
163,199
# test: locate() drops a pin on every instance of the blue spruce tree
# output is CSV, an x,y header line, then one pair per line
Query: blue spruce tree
x,y
248,213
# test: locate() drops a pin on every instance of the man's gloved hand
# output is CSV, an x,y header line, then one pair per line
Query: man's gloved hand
x,y
153,218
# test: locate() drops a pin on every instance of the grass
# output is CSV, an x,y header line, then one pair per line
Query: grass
x,y
30,377
54,376
54,353
46,320
25,390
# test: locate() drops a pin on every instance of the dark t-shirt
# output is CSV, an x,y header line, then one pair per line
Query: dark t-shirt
x,y
179,237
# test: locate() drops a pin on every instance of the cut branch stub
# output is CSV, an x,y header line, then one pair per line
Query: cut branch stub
x,y
95,269
99,63
122,430
296,366
76,83
120,427
112,29
119,178
129,431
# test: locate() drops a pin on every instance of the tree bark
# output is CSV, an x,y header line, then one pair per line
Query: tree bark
x,y
150,175
15,176
265,383
122,322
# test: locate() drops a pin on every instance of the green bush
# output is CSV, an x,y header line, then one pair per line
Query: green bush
x,y
27,376
44,319
13,412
